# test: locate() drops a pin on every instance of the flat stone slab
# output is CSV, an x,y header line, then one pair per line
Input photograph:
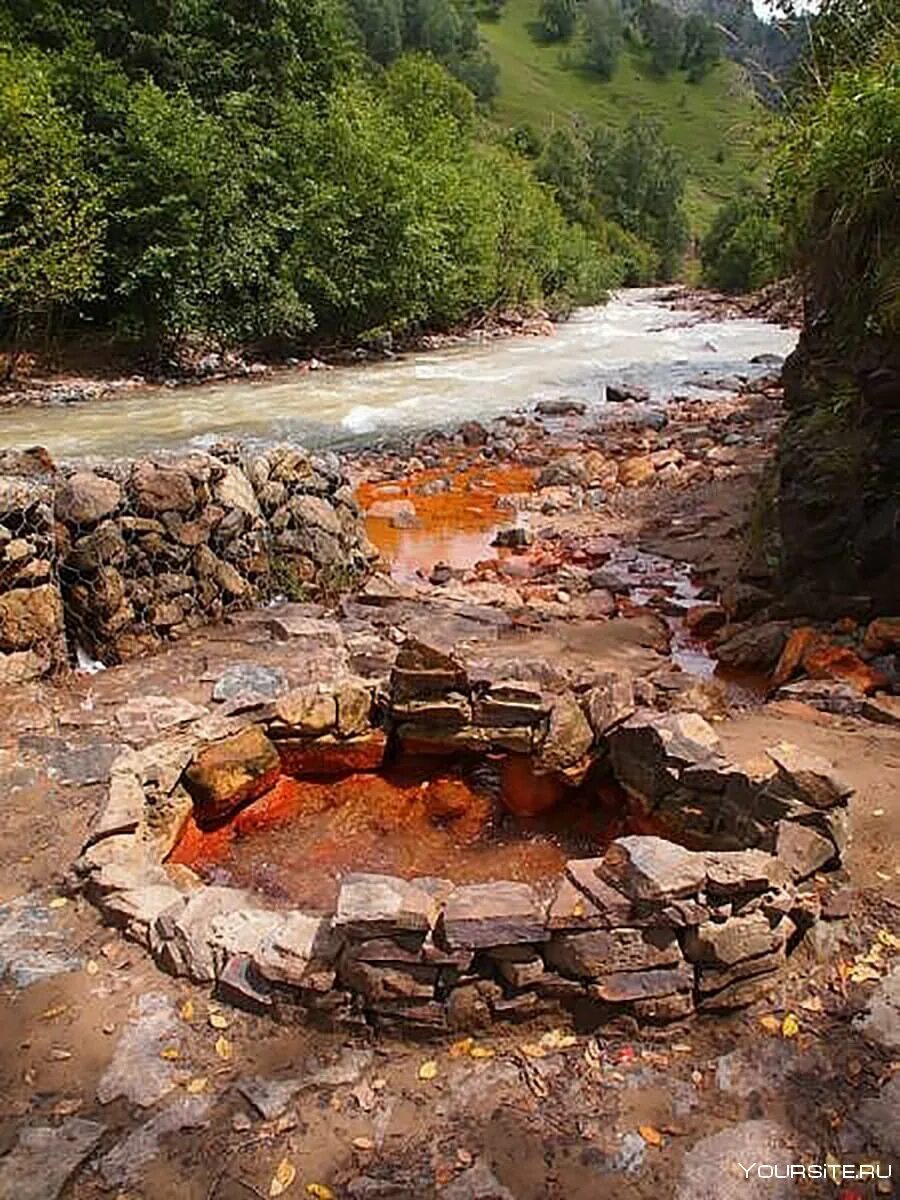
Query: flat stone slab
x,y
369,904
32,948
710,1169
807,777
137,1073
651,868
125,1163
45,1157
881,1023
492,914
602,952
250,681
728,942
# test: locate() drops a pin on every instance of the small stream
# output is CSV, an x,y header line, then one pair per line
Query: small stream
x,y
633,339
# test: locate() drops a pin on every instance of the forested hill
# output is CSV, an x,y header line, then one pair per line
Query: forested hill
x,y
710,117
190,173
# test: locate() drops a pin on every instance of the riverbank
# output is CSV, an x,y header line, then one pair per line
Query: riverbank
x,y
107,380
621,543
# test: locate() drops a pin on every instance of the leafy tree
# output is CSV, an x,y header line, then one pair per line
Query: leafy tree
x,y
558,18
380,23
564,165
702,46
603,26
641,181
743,249
51,209
663,31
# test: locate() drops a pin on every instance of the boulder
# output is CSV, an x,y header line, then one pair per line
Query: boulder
x,y
491,914
307,711
610,701
569,736
622,392
651,868
560,408
30,617
807,777
802,850
159,489
759,647
227,774
85,498
703,620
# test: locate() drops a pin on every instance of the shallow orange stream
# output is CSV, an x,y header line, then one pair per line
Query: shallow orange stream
x,y
455,527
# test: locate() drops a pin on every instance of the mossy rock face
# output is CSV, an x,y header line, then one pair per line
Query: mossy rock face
x,y
838,482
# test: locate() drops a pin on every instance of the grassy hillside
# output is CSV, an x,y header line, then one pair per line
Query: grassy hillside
x,y
712,123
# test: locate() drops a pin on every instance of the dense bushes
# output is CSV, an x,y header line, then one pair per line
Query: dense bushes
x,y
225,171
743,249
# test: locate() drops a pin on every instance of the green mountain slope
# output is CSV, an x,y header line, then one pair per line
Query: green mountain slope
x,y
713,123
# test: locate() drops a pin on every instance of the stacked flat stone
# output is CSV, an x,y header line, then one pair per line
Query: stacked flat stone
x,y
127,555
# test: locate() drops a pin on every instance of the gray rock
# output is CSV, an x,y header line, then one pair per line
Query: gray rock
x,y
85,498
307,711
598,952
372,904
879,1117
628,986
299,951
492,914
250,681
270,1097
126,1162
137,1073
183,943
44,1158
710,1169
807,777
560,408
569,736
760,646
651,868
881,1022
734,872
610,701
802,850
349,1067
728,942
32,947
477,1183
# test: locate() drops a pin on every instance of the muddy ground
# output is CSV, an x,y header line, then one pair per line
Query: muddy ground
x,y
118,1081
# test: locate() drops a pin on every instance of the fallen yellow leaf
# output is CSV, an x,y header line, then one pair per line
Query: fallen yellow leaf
x,y
888,939
218,1021
533,1050
57,1011
651,1135
319,1191
187,1010
555,1039
862,972
790,1026
363,1143
771,1024
195,1086
170,1052
59,902
812,1004
428,1069
223,1048
285,1174
461,1048
91,966
481,1052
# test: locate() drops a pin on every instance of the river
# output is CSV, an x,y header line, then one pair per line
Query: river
x,y
632,339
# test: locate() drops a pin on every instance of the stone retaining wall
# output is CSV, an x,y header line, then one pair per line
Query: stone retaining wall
x,y
134,553
649,931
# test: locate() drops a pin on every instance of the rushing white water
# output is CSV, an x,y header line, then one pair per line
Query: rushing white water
x,y
633,339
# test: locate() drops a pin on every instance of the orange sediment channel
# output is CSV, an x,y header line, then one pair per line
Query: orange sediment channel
x,y
455,526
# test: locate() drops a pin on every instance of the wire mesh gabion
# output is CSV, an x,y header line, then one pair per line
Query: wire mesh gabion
x,y
114,558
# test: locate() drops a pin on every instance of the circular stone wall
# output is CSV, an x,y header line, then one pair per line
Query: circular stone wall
x,y
650,931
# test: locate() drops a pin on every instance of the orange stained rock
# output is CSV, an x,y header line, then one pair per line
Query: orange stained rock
x,y
323,758
793,654
824,661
